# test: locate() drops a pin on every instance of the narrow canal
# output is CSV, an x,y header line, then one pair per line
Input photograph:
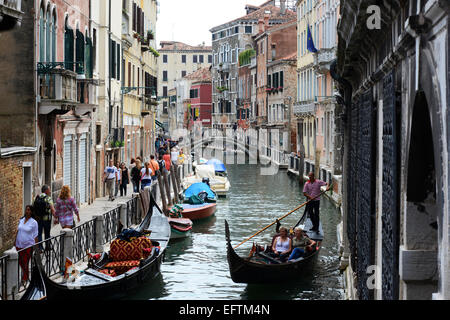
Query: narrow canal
x,y
197,268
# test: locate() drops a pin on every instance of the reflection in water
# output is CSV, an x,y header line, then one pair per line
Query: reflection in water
x,y
197,267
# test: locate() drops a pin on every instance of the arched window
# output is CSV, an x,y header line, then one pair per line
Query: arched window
x,y
41,36
54,59
79,52
68,46
48,50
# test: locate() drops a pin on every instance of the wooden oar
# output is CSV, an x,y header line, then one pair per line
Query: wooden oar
x,y
299,207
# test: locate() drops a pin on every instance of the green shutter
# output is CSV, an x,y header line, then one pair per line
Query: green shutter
x,y
80,53
88,58
68,48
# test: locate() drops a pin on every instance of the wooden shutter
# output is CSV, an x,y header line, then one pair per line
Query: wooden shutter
x,y
79,51
68,48
129,74
134,17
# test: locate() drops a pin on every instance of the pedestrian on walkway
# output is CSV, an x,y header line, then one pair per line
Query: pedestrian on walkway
x,y
110,177
65,207
181,157
174,155
155,167
119,179
136,176
311,191
146,176
167,160
26,238
44,210
125,179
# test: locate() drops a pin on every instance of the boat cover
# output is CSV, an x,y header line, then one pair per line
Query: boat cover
x,y
196,188
218,165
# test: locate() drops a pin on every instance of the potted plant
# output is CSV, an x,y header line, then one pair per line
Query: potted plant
x,y
150,35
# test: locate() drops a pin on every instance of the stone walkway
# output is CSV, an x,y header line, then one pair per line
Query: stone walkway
x,y
98,207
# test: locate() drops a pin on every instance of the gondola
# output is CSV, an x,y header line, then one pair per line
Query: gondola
x,y
259,267
93,284
180,228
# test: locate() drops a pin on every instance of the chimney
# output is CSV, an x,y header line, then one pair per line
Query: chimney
x,y
283,7
266,20
261,26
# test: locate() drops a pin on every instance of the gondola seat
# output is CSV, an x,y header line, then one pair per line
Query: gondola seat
x,y
121,250
120,267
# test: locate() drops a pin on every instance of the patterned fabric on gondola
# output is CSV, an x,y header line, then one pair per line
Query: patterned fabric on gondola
x,y
123,251
120,267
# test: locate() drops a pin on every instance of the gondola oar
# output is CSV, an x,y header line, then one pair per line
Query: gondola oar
x,y
287,214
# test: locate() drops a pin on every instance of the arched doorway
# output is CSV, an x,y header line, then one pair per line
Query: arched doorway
x,y
419,268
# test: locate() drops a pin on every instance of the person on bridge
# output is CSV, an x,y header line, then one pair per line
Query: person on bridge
x,y
312,192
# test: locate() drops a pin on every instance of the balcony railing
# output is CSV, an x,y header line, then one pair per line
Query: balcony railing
x,y
12,8
323,59
58,85
87,91
305,108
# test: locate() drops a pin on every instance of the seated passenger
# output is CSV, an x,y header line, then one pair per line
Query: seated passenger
x,y
282,245
301,243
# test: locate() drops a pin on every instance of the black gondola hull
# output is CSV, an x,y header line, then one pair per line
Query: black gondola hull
x,y
243,270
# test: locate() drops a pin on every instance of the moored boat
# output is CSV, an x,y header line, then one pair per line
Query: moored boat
x,y
180,228
198,211
259,267
219,184
100,279
195,189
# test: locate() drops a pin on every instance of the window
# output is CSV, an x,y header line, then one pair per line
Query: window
x,y
183,74
112,59
118,62
201,58
165,58
194,58
165,76
164,91
209,58
193,93
281,79
183,58
248,29
236,29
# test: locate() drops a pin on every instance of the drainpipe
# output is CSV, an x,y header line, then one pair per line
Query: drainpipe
x,y
109,70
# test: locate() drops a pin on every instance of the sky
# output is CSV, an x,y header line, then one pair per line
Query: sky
x,y
189,21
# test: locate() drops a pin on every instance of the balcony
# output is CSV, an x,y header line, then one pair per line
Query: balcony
x,y
57,89
224,67
307,108
10,14
323,60
86,95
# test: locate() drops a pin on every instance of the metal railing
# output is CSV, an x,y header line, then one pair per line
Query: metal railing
x,y
52,249
3,261
111,224
84,237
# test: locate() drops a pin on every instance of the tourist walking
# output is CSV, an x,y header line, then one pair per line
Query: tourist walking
x,y
167,160
174,155
146,176
110,176
125,179
311,191
155,167
44,211
119,179
65,207
136,176
26,238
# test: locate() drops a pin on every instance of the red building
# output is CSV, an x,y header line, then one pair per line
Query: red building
x,y
200,94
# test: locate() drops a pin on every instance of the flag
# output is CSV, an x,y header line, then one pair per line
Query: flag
x,y
310,43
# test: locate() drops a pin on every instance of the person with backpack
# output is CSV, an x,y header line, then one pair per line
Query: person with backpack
x,y
44,210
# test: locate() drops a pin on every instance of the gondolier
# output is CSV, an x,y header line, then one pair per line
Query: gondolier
x,y
311,191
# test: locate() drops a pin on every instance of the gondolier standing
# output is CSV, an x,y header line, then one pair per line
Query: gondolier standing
x,y
311,191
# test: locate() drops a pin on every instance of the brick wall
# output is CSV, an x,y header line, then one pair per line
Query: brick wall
x,y
11,198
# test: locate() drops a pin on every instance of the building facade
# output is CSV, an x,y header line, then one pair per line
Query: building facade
x,y
139,81
229,40
393,81
177,60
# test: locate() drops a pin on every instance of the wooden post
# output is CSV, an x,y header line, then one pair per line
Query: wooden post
x,y
177,176
166,185
163,193
173,174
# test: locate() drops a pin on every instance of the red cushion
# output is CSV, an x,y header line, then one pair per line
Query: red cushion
x,y
121,250
120,267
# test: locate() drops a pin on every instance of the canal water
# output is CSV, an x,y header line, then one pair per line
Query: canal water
x,y
196,268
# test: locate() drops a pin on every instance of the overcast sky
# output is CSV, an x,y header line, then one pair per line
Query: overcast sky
x,y
189,21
